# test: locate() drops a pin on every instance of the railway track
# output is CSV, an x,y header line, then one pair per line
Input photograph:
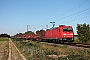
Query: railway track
x,y
71,45
79,45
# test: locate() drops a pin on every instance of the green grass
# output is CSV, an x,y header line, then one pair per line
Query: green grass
x,y
88,42
76,40
34,50
3,39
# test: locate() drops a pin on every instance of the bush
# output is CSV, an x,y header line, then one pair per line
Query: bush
x,y
83,32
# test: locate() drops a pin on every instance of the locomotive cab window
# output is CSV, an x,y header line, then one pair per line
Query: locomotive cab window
x,y
70,29
67,29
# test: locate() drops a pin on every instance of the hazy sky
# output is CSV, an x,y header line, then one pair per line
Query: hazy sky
x,y
15,15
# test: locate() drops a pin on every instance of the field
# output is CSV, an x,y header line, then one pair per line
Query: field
x,y
4,48
34,50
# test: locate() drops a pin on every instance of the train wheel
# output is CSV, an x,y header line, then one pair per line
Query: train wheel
x,y
47,40
70,42
53,41
58,41
61,41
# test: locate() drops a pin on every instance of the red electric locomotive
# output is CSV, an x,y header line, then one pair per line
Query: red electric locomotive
x,y
60,34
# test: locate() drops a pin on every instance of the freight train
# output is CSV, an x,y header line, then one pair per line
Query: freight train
x,y
58,34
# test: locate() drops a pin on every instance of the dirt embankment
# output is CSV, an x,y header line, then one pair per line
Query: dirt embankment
x,y
4,49
14,53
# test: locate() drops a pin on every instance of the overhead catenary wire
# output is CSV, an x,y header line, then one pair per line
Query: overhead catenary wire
x,y
74,14
73,8
75,19
80,16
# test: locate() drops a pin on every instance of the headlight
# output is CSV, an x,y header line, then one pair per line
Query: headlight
x,y
64,34
71,34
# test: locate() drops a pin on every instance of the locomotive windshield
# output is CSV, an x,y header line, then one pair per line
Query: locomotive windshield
x,y
67,29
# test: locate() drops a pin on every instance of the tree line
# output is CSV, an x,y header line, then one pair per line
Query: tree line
x,y
4,35
38,32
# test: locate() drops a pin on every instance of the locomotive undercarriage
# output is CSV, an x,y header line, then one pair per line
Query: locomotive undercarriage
x,y
69,40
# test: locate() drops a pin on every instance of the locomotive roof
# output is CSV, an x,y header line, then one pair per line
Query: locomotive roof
x,y
52,28
61,25
57,27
